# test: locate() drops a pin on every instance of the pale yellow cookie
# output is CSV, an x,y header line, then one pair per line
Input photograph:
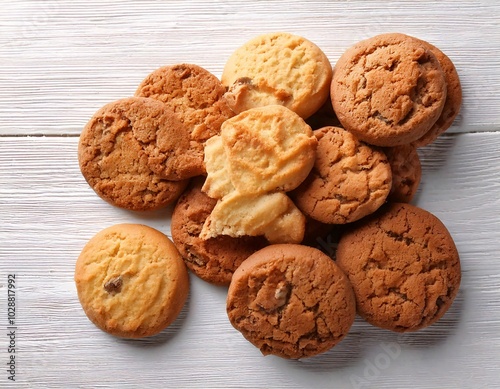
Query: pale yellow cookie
x,y
131,280
273,216
278,68
218,182
266,149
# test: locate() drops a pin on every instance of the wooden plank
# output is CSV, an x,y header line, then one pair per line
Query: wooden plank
x,y
62,60
48,212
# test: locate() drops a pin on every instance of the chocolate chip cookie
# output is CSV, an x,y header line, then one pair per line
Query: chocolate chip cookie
x,y
292,301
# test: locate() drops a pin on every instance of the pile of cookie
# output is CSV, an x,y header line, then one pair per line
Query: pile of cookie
x,y
283,151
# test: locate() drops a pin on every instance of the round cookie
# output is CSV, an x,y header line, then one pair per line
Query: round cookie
x,y
278,68
131,280
453,97
291,300
349,179
213,260
388,90
403,266
113,159
406,172
197,97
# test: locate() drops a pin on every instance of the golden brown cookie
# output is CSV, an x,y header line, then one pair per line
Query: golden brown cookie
x,y
197,97
453,97
406,172
213,260
388,90
131,280
278,68
349,180
292,301
403,266
113,158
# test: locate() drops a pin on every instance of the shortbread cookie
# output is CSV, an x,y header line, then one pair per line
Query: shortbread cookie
x,y
453,97
213,260
197,97
278,68
406,172
131,280
266,149
388,90
403,265
218,181
273,216
349,180
292,301
114,162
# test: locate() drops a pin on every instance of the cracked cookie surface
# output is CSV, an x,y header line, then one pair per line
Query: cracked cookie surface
x,y
278,68
131,280
349,179
403,265
290,300
213,260
114,162
388,90
197,98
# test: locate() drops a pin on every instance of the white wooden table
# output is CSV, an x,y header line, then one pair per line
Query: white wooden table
x,y
61,60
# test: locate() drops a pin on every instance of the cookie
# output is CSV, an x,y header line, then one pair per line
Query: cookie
x,y
131,280
350,179
403,266
266,149
278,68
113,158
388,90
213,260
218,180
406,172
453,100
291,301
272,215
197,97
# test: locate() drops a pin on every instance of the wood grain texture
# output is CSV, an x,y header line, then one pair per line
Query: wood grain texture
x,y
48,213
61,60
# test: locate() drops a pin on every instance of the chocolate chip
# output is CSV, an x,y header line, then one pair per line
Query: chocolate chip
x,y
114,285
